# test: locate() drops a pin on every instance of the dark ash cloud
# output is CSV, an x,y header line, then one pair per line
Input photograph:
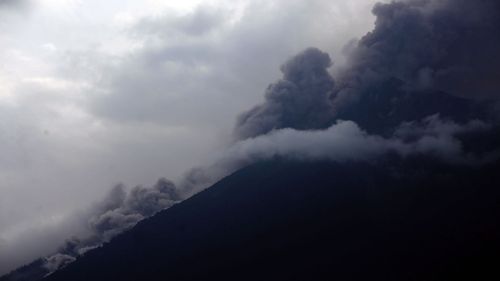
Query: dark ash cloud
x,y
444,45
412,86
422,58
299,100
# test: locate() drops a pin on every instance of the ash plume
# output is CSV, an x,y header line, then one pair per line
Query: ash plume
x,y
299,100
422,58
423,81
440,45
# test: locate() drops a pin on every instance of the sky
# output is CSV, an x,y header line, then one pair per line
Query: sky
x,y
95,93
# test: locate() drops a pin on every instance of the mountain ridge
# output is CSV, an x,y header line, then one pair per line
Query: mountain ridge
x,y
282,220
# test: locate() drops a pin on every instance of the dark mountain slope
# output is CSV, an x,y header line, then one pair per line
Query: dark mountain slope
x,y
316,221
32,271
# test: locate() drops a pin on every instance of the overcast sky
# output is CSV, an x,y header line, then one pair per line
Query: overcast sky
x,y
98,92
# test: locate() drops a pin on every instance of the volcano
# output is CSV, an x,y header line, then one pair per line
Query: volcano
x,y
396,219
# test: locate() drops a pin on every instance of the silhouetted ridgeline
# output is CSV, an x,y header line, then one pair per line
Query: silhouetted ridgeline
x,y
391,220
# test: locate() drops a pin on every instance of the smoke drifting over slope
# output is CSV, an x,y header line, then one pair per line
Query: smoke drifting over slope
x,y
346,141
119,211
390,81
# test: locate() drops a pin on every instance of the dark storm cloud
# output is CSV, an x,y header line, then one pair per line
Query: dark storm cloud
x,y
299,100
443,44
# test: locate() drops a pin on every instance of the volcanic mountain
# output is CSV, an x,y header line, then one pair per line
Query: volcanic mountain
x,y
387,172
394,219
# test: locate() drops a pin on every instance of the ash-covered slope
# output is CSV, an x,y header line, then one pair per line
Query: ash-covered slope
x,y
396,220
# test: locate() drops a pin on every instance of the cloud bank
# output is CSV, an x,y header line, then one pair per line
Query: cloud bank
x,y
346,141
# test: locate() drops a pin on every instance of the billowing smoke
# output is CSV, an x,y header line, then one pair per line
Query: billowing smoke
x,y
57,261
119,211
299,100
422,58
449,45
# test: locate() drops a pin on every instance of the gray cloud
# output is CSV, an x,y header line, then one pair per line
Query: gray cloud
x,y
214,55
200,22
13,3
